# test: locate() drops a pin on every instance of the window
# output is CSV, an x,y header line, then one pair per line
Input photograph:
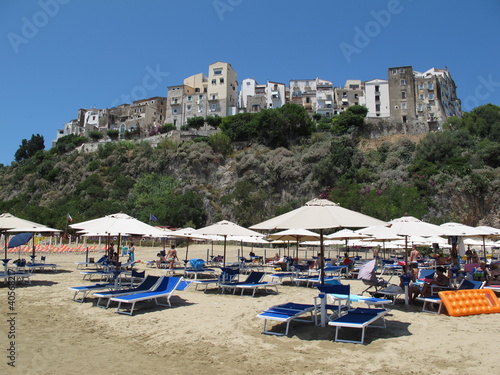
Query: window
x,y
200,97
377,98
221,80
214,81
356,96
430,86
200,109
377,88
377,107
403,82
189,98
431,96
402,70
174,110
420,107
248,83
403,105
403,94
197,89
217,72
213,107
404,119
394,71
421,96
421,86
188,107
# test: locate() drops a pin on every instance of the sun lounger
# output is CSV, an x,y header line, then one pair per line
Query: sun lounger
x,y
286,313
312,280
227,275
252,279
101,262
15,276
101,275
359,318
165,288
31,267
148,283
254,286
436,300
85,290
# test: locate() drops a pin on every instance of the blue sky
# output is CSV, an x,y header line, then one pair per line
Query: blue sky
x,y
62,55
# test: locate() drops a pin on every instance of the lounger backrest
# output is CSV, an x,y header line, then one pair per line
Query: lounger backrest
x,y
255,277
148,282
168,284
471,284
334,289
228,274
426,274
197,264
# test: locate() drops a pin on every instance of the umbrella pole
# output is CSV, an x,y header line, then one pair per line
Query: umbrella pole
x,y
322,263
484,249
187,250
224,258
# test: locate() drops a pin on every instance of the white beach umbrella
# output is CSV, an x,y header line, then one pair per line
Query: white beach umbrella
x,y
296,235
319,214
226,229
9,221
467,231
187,233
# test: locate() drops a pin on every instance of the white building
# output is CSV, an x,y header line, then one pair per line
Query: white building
x,y
377,98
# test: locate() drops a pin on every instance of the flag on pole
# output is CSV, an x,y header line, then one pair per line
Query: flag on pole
x,y
70,218
152,217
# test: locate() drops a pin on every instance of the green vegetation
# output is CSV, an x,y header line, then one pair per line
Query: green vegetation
x,y
264,164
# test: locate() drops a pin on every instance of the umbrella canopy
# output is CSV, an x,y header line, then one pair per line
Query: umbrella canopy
x,y
20,239
9,221
319,214
187,233
294,234
465,230
118,224
34,229
226,228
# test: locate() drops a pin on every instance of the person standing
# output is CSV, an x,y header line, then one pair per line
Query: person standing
x,y
131,252
172,257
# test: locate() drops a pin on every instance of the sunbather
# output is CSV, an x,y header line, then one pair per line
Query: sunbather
x,y
440,279
494,274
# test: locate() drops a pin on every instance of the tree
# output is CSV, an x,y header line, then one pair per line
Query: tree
x,y
95,135
27,149
113,134
213,121
196,122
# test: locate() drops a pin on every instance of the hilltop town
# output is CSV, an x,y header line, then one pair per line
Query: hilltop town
x,y
407,102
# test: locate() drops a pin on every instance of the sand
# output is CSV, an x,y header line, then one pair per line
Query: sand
x,y
213,333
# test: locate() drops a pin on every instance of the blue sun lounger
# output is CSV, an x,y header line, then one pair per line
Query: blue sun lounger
x,y
148,283
286,312
165,288
358,318
87,289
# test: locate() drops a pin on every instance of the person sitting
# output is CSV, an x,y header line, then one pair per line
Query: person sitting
x,y
163,259
440,279
494,274
481,272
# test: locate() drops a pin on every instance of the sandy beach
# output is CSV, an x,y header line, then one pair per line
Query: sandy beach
x,y
213,333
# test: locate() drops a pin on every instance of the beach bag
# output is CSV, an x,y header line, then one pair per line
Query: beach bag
x,y
197,264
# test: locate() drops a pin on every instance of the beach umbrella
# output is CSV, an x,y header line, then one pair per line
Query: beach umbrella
x,y
408,226
467,231
319,214
20,239
294,234
9,221
34,229
492,233
346,235
187,233
226,229
119,224
380,233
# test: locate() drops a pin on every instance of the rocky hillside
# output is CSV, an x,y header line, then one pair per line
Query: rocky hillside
x,y
448,176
